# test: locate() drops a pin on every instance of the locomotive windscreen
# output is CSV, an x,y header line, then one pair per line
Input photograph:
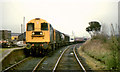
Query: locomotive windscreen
x,y
30,26
44,26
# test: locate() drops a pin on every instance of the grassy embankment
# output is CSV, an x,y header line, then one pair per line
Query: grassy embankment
x,y
104,50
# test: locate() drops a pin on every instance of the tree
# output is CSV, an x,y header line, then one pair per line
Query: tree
x,y
89,29
94,28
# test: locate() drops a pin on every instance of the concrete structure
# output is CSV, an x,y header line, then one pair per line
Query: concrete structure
x,y
119,16
10,56
5,35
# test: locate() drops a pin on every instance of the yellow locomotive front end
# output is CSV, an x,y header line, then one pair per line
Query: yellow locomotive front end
x,y
38,36
37,31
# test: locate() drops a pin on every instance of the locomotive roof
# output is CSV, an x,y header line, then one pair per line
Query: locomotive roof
x,y
42,20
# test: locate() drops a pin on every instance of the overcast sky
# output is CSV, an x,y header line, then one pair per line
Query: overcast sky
x,y
64,15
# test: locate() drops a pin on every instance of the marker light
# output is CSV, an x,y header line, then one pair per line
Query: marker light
x,y
33,33
41,33
32,44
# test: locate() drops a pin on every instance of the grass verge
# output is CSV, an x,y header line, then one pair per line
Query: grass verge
x,y
104,50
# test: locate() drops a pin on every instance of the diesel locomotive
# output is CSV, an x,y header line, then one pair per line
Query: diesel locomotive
x,y
42,38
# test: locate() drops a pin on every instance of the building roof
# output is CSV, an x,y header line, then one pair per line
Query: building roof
x,y
15,34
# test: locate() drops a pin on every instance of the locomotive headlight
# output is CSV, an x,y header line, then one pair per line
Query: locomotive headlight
x,y
41,33
33,33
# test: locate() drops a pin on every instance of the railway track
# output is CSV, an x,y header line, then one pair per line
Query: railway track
x,y
62,59
50,61
68,60
35,68
33,64
78,60
30,64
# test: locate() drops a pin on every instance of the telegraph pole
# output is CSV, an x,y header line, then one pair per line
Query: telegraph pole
x,y
21,28
23,24
72,33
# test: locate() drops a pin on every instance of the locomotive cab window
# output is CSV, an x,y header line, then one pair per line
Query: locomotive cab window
x,y
30,26
44,26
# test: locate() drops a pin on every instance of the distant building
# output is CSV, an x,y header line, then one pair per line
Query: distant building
x,y
5,35
14,36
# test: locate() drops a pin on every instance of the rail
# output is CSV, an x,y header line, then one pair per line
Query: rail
x,y
78,59
38,64
59,59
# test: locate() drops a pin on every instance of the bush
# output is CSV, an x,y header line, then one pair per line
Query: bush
x,y
114,46
101,37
